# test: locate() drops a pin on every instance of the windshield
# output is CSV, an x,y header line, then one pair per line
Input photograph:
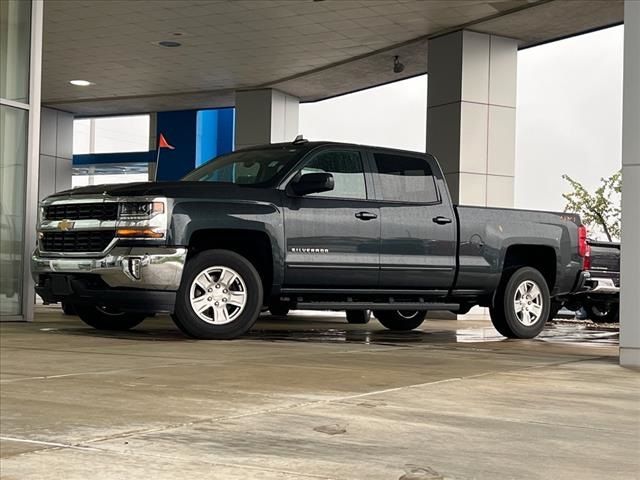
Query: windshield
x,y
246,167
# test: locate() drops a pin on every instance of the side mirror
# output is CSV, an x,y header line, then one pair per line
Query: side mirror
x,y
312,183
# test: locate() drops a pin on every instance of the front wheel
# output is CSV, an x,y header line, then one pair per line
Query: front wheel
x,y
400,320
220,296
522,305
103,318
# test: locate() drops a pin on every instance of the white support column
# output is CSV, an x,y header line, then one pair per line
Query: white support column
x,y
33,157
471,115
265,116
630,261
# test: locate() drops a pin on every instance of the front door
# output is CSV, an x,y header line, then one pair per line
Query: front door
x,y
332,238
418,233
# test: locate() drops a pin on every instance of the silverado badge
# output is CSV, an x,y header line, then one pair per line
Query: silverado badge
x,y
65,225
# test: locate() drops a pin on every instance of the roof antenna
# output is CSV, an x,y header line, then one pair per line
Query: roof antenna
x,y
300,139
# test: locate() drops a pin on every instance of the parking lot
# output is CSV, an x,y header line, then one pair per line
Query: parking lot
x,y
314,397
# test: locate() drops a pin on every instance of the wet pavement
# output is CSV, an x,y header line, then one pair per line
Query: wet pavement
x,y
312,397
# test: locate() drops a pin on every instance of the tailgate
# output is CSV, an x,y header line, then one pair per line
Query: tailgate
x,y
605,260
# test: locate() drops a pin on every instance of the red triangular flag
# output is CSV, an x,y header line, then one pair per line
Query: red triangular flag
x,y
162,143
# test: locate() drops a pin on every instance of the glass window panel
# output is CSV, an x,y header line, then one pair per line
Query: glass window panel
x,y
81,136
15,40
122,134
13,156
407,179
347,170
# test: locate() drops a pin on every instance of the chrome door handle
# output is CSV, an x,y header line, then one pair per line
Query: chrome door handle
x,y
441,220
366,216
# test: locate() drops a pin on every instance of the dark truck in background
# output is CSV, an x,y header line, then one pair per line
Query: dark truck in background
x,y
599,301
308,225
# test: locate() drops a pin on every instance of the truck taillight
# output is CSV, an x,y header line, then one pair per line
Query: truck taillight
x,y
586,260
582,241
584,250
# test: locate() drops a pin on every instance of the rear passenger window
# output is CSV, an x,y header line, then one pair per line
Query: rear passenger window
x,y
347,170
406,179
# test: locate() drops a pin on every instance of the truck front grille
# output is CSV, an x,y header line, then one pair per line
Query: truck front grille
x,y
82,211
79,241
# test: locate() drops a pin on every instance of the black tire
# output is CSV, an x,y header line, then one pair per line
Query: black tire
x,y
400,320
279,309
604,313
68,308
554,309
503,311
358,317
191,323
102,318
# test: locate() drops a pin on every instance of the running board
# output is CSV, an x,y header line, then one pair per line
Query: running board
x,y
375,306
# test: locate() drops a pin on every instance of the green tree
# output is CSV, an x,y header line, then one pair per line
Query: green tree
x,y
600,209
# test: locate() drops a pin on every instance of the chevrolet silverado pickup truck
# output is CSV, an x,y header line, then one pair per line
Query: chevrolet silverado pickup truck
x,y
306,225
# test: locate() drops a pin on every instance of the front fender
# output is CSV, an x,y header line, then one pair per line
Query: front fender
x,y
191,215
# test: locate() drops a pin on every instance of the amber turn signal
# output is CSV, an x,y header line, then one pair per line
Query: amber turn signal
x,y
139,233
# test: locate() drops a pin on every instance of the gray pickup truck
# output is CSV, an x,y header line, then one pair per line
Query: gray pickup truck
x,y
307,225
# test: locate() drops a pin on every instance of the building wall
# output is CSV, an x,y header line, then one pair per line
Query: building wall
x,y
56,151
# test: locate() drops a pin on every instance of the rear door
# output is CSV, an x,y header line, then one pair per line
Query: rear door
x,y
418,228
332,238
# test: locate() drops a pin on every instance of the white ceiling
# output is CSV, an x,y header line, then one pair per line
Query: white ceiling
x,y
312,49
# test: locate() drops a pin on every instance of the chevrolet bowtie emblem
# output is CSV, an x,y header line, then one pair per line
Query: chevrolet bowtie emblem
x,y
65,225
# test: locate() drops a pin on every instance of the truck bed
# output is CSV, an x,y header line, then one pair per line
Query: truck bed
x,y
486,233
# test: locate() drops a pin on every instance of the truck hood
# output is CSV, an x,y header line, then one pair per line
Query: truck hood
x,y
169,189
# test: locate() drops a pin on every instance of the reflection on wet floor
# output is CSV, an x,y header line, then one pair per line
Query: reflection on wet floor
x,y
338,335
554,333
331,327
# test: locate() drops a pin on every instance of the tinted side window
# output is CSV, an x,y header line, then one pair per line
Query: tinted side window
x,y
347,170
408,179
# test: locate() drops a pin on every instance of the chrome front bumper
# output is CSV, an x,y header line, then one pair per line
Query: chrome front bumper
x,y
149,268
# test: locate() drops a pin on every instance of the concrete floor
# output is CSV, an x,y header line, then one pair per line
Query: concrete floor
x,y
314,398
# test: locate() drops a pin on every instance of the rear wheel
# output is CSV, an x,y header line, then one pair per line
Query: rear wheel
x,y
400,320
220,296
604,313
358,317
103,318
521,305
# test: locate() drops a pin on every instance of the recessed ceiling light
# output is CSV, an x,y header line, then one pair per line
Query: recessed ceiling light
x,y
169,43
80,83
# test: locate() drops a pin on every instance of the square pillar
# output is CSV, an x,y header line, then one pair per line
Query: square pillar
x,y
265,116
471,115
56,151
630,259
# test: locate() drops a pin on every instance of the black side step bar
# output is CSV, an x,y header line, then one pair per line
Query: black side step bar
x,y
375,306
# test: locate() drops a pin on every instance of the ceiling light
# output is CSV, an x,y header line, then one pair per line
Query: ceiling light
x,y
80,83
169,44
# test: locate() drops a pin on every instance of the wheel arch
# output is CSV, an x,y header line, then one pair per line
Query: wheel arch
x,y
541,257
254,245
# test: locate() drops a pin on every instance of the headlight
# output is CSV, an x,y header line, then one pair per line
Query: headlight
x,y
140,210
142,220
